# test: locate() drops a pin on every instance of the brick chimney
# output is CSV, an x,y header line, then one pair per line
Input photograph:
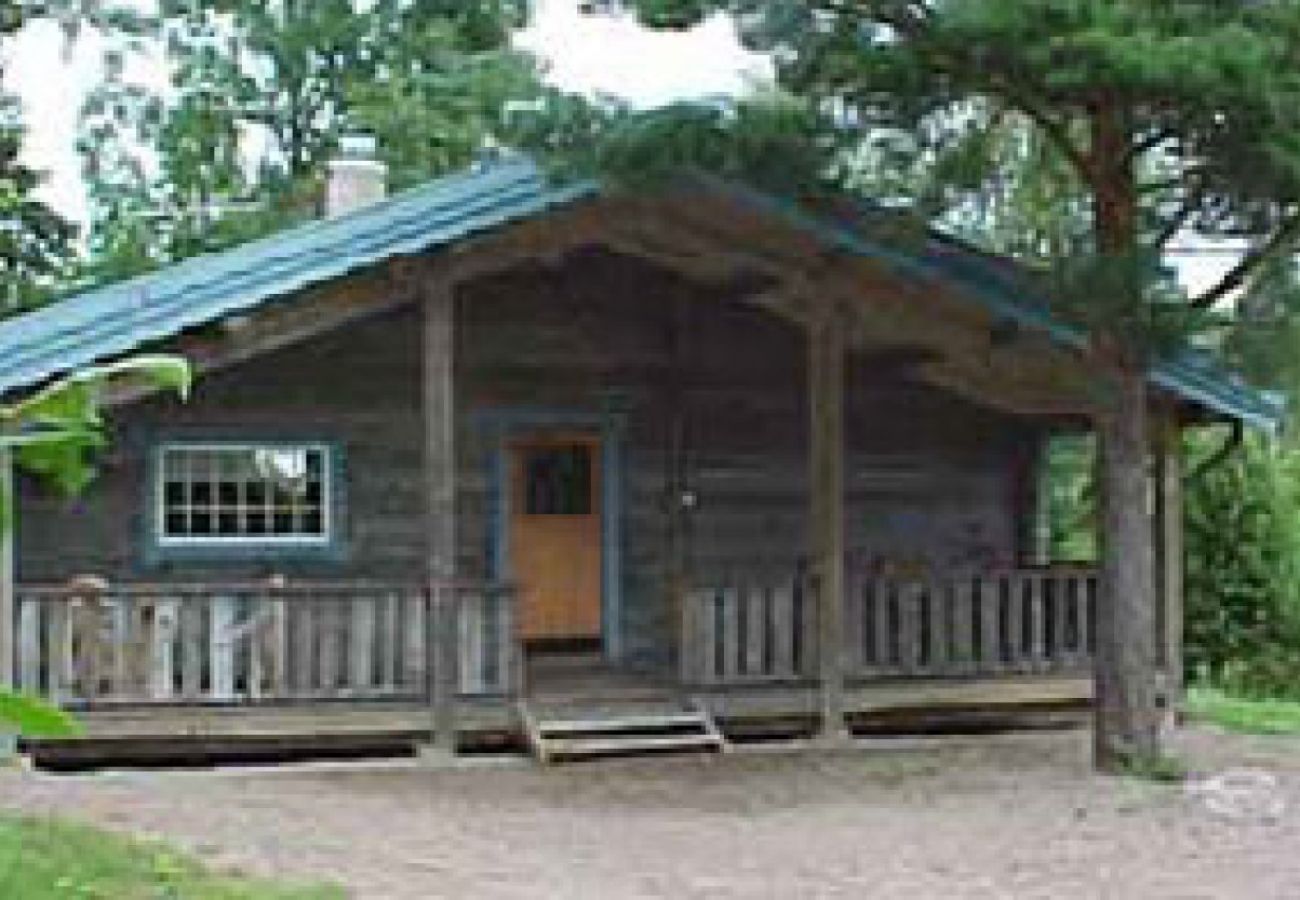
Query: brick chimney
x,y
355,177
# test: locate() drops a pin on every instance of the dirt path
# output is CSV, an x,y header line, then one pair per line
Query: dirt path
x,y
1013,816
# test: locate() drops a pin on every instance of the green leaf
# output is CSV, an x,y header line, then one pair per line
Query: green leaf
x,y
32,717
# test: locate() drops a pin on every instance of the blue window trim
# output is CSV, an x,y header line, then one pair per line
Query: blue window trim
x,y
157,552
610,424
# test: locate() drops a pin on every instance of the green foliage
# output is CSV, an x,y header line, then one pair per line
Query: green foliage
x,y
1243,570
1246,715
260,93
35,242
46,859
54,432
768,139
1072,498
1159,767
1087,132
32,717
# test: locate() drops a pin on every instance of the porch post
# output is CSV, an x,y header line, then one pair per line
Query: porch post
x,y
439,309
8,597
826,512
1168,522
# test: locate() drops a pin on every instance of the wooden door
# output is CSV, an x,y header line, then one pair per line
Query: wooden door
x,y
555,536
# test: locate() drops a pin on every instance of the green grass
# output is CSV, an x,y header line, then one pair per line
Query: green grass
x,y
43,858
1240,714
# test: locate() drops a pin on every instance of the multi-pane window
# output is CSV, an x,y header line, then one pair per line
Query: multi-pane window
x,y
258,493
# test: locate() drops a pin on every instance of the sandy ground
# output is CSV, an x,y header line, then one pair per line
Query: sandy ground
x,y
1006,816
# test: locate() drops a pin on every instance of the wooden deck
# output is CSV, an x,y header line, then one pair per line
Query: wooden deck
x,y
170,734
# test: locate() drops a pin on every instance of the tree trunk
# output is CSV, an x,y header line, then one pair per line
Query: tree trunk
x,y
1127,724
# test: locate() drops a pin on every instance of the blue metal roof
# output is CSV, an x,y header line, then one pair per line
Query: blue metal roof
x,y
122,317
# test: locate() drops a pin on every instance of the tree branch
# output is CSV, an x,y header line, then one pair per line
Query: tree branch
x,y
1286,233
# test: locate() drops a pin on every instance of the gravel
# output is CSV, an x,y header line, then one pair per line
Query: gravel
x,y
1003,816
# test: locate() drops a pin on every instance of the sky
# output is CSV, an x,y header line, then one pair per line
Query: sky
x,y
608,54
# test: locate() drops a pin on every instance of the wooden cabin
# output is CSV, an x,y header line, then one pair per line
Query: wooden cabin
x,y
498,442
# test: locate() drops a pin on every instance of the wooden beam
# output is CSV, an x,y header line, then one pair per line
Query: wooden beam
x,y
826,511
439,311
8,595
1170,562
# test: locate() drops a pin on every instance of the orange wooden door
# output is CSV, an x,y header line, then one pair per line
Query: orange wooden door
x,y
555,535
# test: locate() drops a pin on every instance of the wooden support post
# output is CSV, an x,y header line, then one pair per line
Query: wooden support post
x,y
440,473
826,512
1168,523
8,594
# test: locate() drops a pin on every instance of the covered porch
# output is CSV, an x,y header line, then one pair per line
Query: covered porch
x,y
671,452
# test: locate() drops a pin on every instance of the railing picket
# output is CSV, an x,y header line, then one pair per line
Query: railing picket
x,y
1037,624
505,646
783,650
191,627
470,615
221,646
732,646
163,643
938,630
963,650
361,638
755,600
415,656
707,648
990,600
58,651
305,620
909,640
389,640
120,610
329,636
29,645
883,596
253,636
277,632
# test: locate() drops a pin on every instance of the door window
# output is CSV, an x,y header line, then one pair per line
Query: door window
x,y
557,480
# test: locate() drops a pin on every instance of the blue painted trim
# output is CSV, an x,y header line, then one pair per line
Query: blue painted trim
x,y
507,423
155,553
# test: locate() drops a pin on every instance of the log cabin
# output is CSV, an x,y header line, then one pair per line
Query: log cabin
x,y
584,465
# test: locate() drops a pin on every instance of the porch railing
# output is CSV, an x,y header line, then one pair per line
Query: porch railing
x,y
85,645
991,623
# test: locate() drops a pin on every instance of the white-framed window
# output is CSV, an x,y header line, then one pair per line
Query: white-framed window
x,y
225,494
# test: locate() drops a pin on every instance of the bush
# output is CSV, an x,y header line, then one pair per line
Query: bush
x,y
1243,569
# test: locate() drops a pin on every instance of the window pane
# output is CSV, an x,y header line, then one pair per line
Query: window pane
x,y
267,491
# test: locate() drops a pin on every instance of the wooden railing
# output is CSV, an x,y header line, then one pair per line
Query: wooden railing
x,y
1029,621
748,633
89,644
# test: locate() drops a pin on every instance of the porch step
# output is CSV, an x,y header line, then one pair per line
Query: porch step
x,y
569,733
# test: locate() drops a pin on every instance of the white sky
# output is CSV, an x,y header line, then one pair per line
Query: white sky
x,y
611,55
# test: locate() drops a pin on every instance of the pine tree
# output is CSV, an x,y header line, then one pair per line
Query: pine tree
x,y
1170,117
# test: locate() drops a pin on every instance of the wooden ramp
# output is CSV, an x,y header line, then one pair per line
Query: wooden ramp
x,y
567,732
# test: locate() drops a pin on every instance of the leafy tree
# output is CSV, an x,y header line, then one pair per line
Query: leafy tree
x,y
1171,117
35,242
261,91
1243,594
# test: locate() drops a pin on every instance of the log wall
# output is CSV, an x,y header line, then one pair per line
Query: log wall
x,y
930,479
